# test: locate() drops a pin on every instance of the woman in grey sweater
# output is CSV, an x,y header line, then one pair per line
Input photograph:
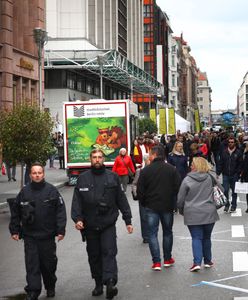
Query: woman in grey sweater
x,y
195,203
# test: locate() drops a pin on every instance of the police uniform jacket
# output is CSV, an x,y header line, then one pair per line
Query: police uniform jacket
x,y
97,199
38,211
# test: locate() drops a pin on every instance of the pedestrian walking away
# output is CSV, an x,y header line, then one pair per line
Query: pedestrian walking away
x,y
142,210
195,203
96,202
157,188
38,215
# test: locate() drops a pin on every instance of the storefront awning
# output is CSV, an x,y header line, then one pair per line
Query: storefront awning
x,y
110,63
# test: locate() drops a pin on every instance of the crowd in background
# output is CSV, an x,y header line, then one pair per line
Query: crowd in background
x,y
215,147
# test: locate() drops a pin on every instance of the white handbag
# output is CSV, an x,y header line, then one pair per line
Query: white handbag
x,y
241,187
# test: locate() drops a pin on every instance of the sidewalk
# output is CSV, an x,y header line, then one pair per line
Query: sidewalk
x,y
9,189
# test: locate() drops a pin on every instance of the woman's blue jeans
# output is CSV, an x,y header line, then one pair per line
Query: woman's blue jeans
x,y
201,242
166,220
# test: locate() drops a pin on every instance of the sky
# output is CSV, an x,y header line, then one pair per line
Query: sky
x,y
217,33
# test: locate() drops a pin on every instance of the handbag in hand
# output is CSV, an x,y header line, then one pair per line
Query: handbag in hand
x,y
219,197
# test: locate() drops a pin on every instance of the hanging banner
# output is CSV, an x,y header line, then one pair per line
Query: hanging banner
x,y
153,116
162,121
171,118
197,121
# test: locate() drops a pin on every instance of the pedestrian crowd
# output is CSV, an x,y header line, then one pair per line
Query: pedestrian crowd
x,y
168,175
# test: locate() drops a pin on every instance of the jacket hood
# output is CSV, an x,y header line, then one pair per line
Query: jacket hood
x,y
198,176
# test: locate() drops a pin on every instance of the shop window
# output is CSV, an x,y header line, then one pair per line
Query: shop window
x,y
89,87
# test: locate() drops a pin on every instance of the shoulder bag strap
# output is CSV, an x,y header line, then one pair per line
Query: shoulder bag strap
x,y
213,179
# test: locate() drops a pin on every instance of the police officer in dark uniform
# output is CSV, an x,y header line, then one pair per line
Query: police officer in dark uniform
x,y
96,202
38,215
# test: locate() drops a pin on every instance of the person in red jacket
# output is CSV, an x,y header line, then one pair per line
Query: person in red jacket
x,y
203,148
123,166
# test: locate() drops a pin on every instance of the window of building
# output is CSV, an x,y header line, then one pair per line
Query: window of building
x,y
71,81
173,80
246,88
148,49
246,97
114,95
173,49
14,90
147,67
148,30
201,106
79,85
97,90
173,60
33,91
147,10
89,87
24,90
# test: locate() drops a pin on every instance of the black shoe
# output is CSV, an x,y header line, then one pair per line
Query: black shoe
x,y
9,179
32,296
111,289
233,209
13,179
145,241
98,290
226,209
50,293
246,210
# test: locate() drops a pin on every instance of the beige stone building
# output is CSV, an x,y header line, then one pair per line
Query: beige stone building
x,y
204,98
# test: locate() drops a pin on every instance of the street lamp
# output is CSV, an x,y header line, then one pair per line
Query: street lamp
x,y
40,38
101,60
131,87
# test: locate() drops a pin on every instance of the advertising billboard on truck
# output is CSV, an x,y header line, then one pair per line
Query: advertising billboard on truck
x,y
95,124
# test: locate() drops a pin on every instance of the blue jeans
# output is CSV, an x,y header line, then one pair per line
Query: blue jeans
x,y
229,182
143,222
201,242
166,220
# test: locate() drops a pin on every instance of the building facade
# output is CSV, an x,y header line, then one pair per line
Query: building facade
x,y
156,32
242,101
106,24
19,67
85,32
204,99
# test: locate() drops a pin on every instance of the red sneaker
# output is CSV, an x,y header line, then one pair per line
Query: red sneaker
x,y
170,262
156,266
195,268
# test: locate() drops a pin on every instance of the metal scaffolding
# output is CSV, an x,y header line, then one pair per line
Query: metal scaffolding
x,y
109,64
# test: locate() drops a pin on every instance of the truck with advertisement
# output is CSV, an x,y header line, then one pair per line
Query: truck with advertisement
x,y
97,124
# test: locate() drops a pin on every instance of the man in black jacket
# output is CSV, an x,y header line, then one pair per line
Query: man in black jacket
x,y
38,215
96,202
157,188
230,165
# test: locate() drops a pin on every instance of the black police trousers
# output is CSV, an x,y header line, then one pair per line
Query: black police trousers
x,y
40,261
102,251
